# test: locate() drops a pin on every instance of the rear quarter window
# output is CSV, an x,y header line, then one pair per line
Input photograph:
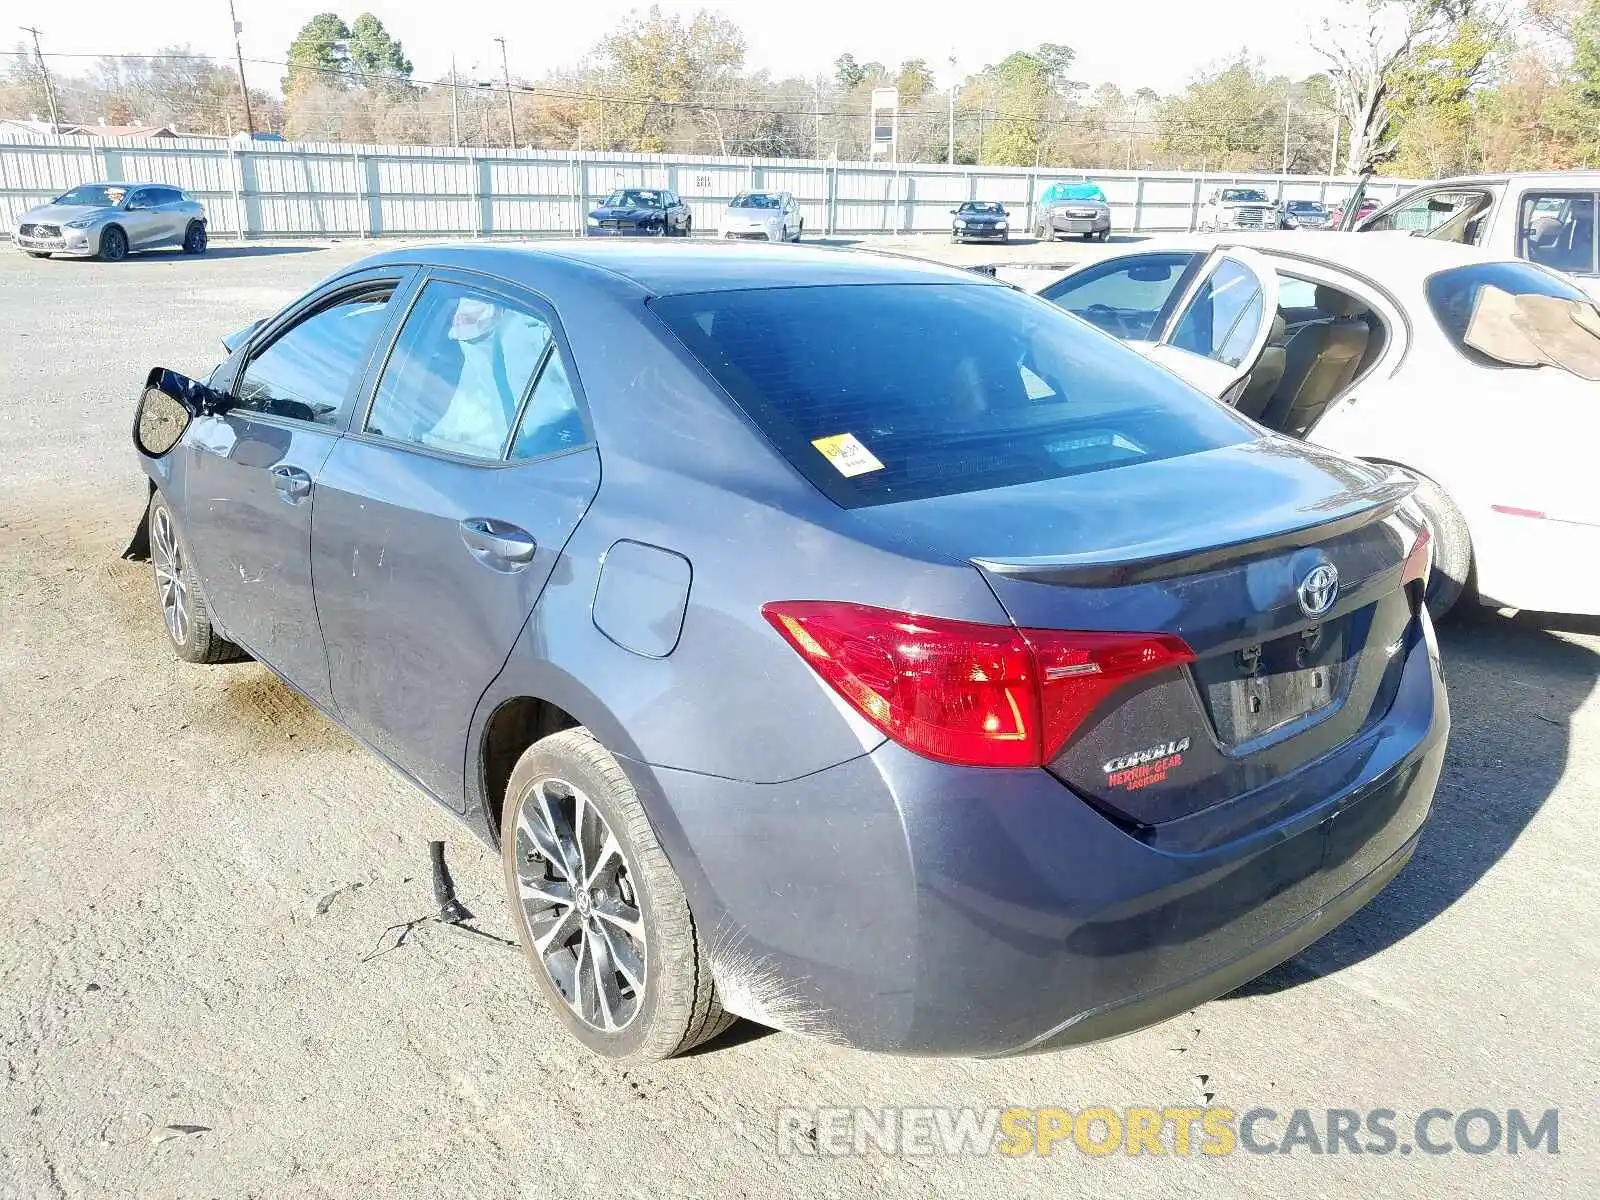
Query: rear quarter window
x,y
1453,295
886,392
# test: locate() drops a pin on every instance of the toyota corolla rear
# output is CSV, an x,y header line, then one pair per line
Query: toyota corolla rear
x,y
1146,702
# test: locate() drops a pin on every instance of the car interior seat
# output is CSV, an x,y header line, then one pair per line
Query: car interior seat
x,y
1267,373
1320,362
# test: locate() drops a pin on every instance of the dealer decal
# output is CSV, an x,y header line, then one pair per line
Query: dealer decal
x,y
1145,767
848,456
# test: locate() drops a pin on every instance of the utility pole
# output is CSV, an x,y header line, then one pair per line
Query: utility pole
x,y
511,111
455,108
49,88
951,158
244,88
1288,96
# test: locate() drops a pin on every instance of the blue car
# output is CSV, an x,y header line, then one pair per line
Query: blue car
x,y
640,212
849,643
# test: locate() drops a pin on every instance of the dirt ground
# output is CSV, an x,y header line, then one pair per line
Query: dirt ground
x,y
203,993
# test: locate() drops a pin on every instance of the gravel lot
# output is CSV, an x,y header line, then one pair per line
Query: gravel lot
x,y
184,1011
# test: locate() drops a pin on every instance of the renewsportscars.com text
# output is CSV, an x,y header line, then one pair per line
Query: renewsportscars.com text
x,y
1176,1131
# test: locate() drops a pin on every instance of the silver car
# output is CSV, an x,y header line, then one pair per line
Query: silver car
x,y
108,220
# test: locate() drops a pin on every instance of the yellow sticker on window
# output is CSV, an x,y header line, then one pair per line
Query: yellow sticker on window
x,y
848,456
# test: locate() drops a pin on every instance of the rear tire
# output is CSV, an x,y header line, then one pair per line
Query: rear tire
x,y
113,244
799,232
1451,577
183,605
548,838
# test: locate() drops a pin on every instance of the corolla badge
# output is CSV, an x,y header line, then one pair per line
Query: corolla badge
x,y
1319,589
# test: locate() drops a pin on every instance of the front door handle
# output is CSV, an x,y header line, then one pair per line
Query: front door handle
x,y
293,484
497,544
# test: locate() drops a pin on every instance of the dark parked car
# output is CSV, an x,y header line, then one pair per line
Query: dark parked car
x,y
979,219
966,694
1306,214
640,212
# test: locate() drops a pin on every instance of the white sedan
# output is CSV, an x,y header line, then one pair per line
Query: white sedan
x,y
1473,372
765,216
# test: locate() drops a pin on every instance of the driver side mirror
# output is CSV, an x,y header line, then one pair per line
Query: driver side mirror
x,y
167,408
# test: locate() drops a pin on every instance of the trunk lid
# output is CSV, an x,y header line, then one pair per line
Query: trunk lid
x,y
1281,568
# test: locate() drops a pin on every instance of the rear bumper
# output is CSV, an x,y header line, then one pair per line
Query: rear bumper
x,y
1539,565
895,904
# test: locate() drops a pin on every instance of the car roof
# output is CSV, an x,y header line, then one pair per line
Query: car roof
x,y
1390,257
1581,175
665,268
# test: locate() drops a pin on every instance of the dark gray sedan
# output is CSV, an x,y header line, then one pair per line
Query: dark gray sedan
x,y
110,220
853,644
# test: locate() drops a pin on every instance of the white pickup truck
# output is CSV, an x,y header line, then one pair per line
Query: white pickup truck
x,y
1546,218
1231,208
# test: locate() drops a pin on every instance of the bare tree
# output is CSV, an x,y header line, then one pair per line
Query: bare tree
x,y
1363,46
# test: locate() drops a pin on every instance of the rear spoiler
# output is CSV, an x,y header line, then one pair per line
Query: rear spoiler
x,y
1090,569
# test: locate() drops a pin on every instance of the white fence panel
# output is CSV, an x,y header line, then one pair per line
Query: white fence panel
x,y
324,189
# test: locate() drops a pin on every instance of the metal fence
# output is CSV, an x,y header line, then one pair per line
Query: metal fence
x,y
322,189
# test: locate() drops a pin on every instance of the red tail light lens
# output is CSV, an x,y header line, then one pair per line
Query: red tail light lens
x,y
1419,560
959,692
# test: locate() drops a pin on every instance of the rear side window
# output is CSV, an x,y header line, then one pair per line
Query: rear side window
x,y
458,374
1558,231
1453,294
310,371
887,392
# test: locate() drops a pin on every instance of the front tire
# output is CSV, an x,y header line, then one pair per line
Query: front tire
x,y
184,611
113,244
194,238
599,911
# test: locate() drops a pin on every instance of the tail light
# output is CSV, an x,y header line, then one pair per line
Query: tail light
x,y
959,692
1419,560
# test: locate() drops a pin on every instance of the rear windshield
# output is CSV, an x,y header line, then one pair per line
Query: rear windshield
x,y
1453,294
886,392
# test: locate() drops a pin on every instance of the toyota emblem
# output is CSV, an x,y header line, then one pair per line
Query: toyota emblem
x,y
1319,589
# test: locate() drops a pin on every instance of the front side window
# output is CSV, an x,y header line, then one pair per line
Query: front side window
x,y
1224,315
458,374
1443,216
1558,231
311,371
1125,297
886,392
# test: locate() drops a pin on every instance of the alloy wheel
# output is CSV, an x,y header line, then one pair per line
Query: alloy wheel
x,y
578,899
170,587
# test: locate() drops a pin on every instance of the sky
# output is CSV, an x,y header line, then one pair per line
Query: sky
x,y
547,34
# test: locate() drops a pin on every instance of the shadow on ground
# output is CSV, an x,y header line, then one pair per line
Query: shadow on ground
x,y
1514,685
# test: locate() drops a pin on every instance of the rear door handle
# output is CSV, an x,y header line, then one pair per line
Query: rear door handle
x,y
293,484
497,544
